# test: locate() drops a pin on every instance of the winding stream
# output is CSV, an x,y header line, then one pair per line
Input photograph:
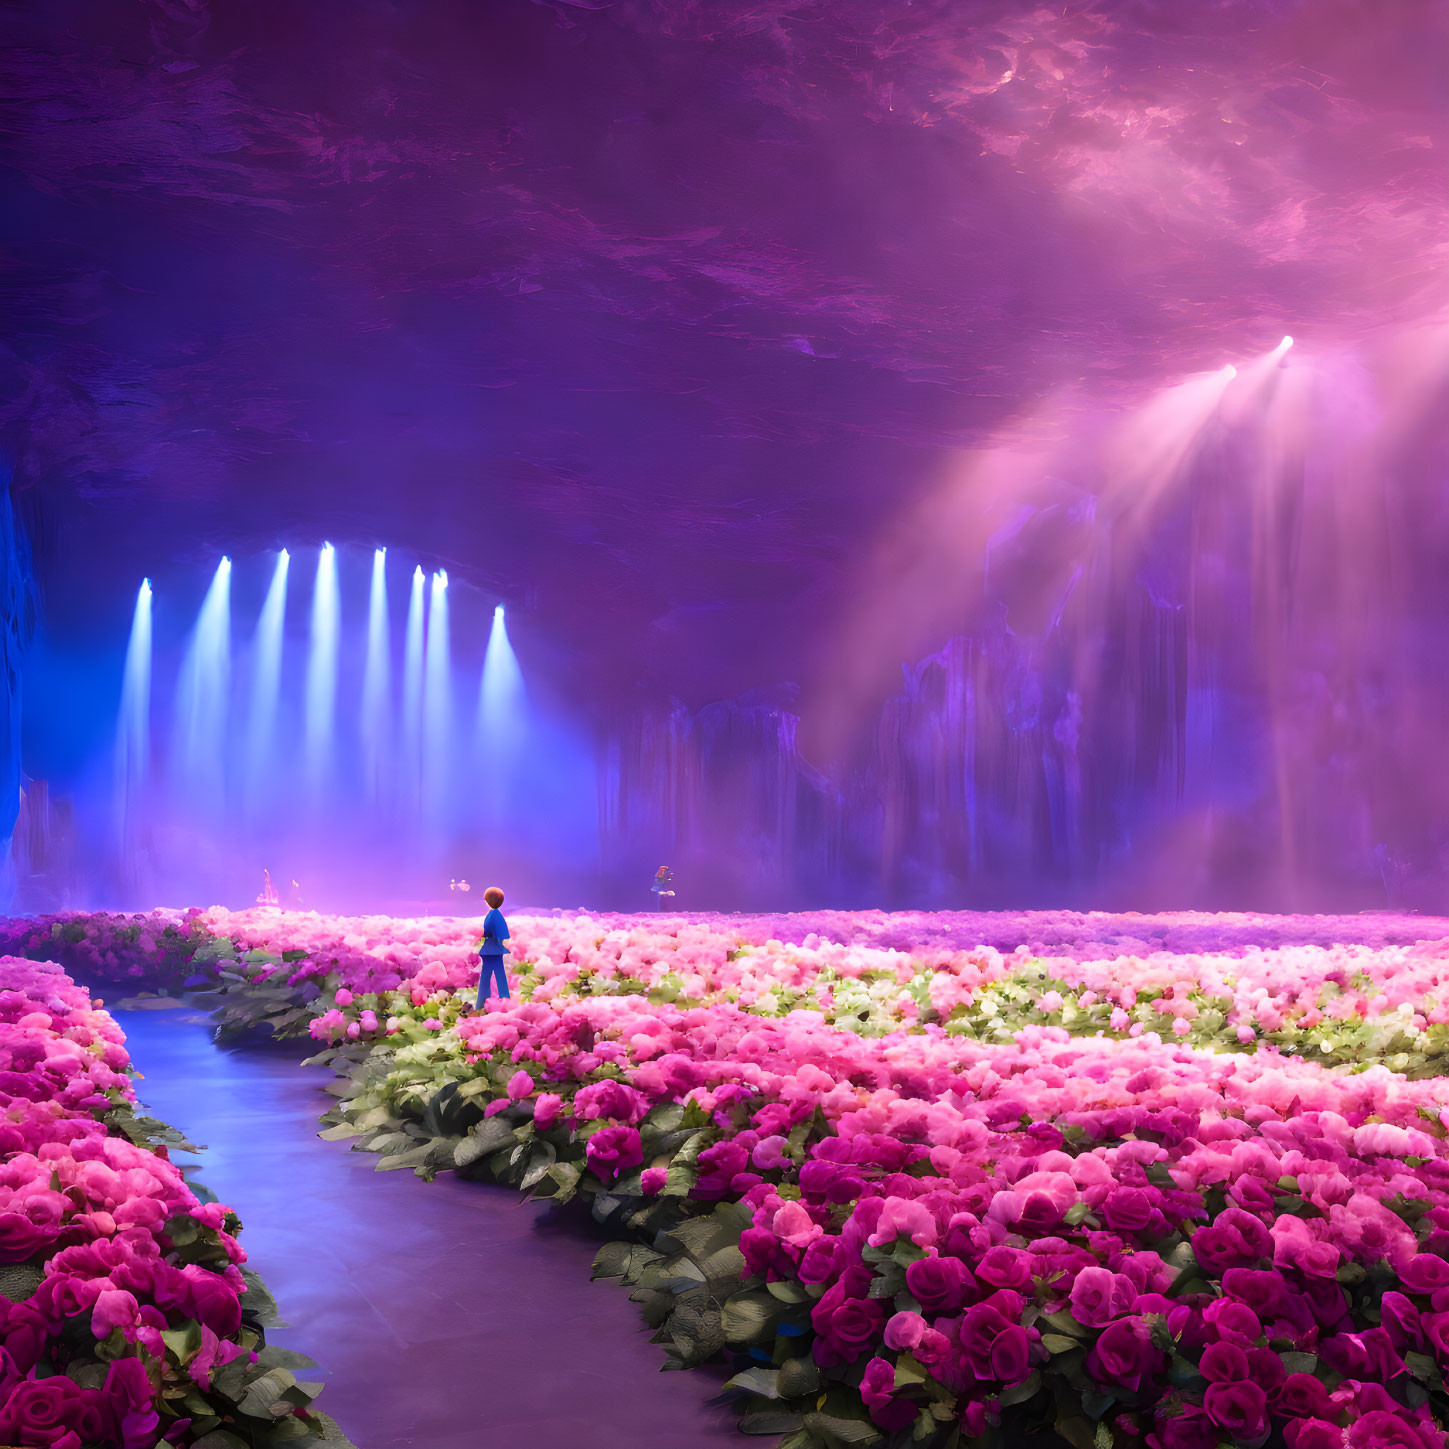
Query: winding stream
x,y
449,1315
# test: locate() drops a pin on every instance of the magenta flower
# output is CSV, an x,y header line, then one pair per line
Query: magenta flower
x,y
888,1410
114,1308
613,1150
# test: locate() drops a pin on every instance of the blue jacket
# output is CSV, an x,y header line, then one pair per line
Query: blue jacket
x,y
495,933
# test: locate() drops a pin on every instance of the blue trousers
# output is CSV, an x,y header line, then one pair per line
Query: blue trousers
x,y
492,970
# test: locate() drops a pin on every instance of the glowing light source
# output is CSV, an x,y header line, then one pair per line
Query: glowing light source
x,y
412,700
202,696
1285,344
133,733
1230,371
499,730
322,664
376,677
266,676
437,701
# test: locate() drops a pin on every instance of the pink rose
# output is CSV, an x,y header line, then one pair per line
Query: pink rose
x,y
612,1151
1191,1429
55,1411
1380,1429
1098,1296
877,1390
1312,1434
114,1308
1303,1396
1425,1273
905,1330
612,1100
1223,1363
794,1225
1240,1410
1125,1354
939,1284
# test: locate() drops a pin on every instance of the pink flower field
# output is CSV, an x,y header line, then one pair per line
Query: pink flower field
x,y
1182,1182
126,1318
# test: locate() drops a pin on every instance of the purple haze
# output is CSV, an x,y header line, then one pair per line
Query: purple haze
x,y
754,351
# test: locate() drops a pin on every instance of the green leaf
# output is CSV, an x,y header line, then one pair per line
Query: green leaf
x,y
612,1260
801,1439
341,1132
487,1137
798,1377
182,1229
787,1292
385,1142
540,1160
257,1303
756,1380
725,1265
1420,1365
1020,1393
183,1342
262,1393
770,1421
1076,1430
289,1431
413,1157
909,1371
1058,1343
905,1252
837,1431
701,1236
745,1318
696,1333
566,1175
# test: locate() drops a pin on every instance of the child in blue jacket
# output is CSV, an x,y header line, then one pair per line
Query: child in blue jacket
x,y
491,948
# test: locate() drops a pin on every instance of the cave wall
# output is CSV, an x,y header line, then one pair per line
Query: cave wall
x,y
17,625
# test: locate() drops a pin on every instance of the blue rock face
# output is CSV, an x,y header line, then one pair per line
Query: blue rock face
x,y
17,624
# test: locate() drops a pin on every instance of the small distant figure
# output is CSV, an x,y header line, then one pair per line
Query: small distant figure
x,y
269,896
663,880
491,949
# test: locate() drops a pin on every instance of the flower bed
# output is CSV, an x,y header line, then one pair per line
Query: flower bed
x,y
1341,990
1116,1239
126,1317
925,1190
